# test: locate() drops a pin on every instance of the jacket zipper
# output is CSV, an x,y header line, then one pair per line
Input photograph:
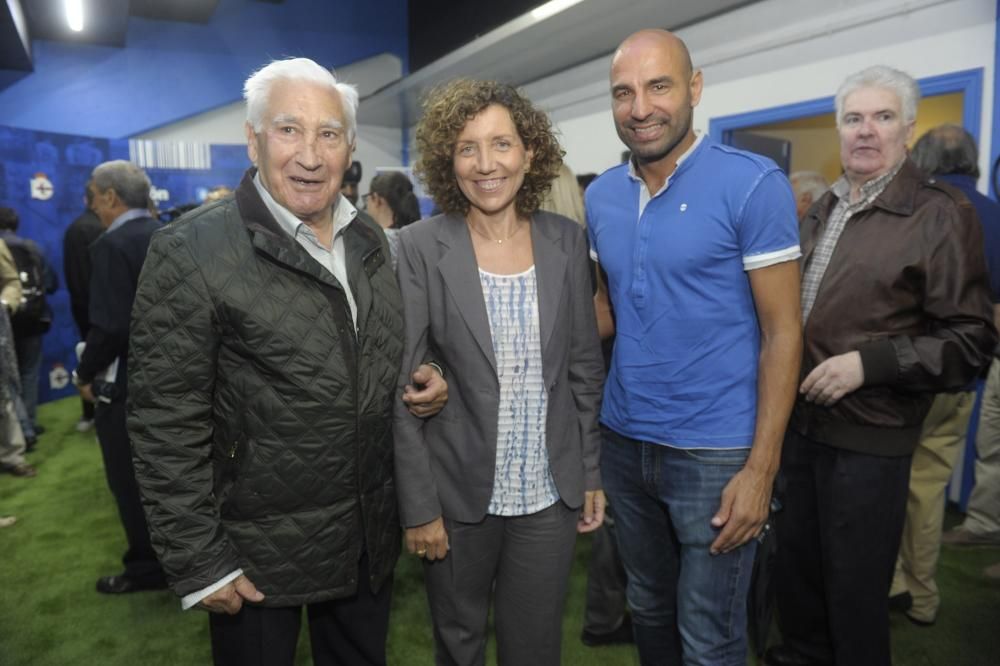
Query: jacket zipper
x,y
356,339
357,421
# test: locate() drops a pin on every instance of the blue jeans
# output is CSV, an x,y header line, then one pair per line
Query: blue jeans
x,y
688,606
29,362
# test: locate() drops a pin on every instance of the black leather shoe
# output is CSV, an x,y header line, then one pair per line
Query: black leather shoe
x,y
779,655
123,585
620,636
21,469
920,623
901,602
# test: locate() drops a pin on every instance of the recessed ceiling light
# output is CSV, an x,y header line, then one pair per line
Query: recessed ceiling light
x,y
74,14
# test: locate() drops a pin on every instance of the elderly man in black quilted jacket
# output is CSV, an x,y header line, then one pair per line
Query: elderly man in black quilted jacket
x,y
266,339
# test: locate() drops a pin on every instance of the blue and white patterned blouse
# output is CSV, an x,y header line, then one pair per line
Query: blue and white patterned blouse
x,y
522,483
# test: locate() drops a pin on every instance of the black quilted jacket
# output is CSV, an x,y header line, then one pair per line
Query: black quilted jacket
x,y
259,422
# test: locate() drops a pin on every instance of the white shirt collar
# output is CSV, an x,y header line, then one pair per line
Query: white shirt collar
x,y
343,212
130,214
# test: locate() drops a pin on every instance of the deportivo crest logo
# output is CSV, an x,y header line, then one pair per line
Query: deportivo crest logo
x,y
41,187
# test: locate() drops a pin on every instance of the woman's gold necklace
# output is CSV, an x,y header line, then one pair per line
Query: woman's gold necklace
x,y
498,241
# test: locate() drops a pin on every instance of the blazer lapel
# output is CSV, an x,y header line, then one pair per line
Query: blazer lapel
x,y
550,272
461,276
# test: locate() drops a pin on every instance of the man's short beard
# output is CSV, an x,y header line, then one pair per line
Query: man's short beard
x,y
659,154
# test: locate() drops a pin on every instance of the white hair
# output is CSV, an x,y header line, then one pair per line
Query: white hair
x,y
258,87
886,78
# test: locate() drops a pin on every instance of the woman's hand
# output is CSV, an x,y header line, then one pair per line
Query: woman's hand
x,y
430,540
592,515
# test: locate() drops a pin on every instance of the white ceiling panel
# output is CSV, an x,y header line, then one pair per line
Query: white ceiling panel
x,y
527,49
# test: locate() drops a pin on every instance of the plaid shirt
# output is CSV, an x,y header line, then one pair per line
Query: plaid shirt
x,y
842,212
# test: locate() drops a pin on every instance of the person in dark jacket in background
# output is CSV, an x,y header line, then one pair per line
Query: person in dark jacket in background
x,y
895,308
948,153
266,340
957,152
119,191
83,231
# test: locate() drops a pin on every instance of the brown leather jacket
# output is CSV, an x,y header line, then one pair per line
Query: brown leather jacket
x,y
907,288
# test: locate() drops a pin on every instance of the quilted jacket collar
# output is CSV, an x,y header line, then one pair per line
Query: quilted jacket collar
x,y
363,247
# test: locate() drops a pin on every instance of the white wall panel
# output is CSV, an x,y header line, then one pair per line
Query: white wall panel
x,y
767,60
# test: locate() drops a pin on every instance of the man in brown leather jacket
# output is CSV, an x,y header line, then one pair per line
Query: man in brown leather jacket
x,y
896,307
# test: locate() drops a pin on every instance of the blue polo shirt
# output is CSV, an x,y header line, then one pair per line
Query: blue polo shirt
x,y
684,368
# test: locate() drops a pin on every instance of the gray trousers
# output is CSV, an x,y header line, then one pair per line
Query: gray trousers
x,y
524,562
983,513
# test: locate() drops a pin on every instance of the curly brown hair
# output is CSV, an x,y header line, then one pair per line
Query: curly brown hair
x,y
448,108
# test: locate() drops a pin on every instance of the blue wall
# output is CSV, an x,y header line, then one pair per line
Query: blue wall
x,y
170,70
66,162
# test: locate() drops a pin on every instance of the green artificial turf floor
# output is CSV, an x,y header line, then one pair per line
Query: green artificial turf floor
x,y
67,535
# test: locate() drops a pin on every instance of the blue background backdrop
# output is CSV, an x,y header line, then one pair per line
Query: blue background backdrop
x,y
67,161
173,70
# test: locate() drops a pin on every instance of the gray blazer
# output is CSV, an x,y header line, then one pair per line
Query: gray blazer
x,y
445,464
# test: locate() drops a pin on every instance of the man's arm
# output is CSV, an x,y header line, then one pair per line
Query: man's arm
x,y
109,314
747,497
960,337
76,265
958,305
172,369
428,393
602,304
51,278
227,596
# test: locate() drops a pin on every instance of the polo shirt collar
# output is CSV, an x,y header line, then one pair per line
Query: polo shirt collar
x,y
633,173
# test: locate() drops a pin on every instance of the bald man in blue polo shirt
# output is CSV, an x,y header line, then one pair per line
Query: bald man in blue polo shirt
x,y
697,243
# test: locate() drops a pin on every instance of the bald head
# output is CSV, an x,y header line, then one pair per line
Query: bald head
x,y
653,94
645,40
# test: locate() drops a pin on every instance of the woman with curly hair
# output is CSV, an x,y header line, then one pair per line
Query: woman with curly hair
x,y
493,490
